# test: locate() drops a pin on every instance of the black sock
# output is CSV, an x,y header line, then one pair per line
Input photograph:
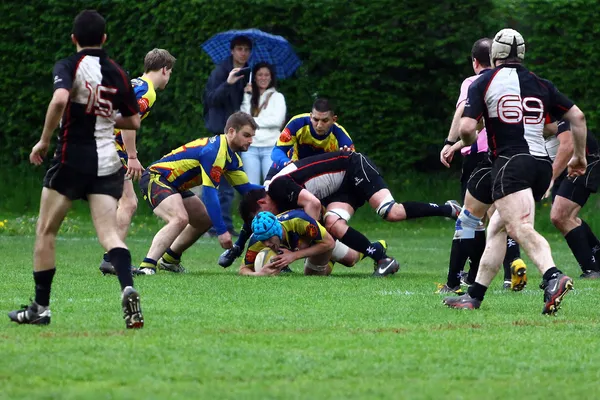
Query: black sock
x,y
359,242
551,273
477,291
106,257
43,284
458,257
592,239
578,243
475,256
121,260
513,251
245,233
415,209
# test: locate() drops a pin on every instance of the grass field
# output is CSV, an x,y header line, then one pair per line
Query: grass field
x,y
212,334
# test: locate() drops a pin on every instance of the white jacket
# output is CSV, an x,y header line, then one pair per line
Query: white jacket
x,y
270,119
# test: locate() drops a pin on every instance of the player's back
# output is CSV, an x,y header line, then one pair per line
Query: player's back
x,y
516,105
98,88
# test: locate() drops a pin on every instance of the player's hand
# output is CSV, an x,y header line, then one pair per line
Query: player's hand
x,y
346,148
549,191
134,169
38,152
446,156
576,166
270,269
225,240
232,78
285,258
285,164
248,88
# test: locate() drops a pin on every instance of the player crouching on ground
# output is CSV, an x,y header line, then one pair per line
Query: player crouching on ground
x,y
294,235
166,187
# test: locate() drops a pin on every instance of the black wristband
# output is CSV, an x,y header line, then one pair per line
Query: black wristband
x,y
450,143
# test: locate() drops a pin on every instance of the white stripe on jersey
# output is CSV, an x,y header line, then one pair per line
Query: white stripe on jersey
x,y
505,84
87,78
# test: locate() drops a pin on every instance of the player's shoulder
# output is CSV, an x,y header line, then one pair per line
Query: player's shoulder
x,y
297,121
292,214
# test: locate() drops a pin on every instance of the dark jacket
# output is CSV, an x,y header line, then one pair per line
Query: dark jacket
x,y
220,98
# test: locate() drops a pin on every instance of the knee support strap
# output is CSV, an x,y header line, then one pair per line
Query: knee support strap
x,y
466,225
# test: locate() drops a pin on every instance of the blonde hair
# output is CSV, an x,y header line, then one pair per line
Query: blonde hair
x,y
157,59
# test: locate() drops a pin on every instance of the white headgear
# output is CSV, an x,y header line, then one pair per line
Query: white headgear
x,y
507,43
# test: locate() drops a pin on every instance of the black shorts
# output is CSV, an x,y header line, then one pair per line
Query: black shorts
x,y
512,174
75,185
558,183
480,182
155,188
579,189
363,179
470,163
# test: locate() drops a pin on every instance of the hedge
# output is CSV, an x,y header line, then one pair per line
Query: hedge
x,y
392,66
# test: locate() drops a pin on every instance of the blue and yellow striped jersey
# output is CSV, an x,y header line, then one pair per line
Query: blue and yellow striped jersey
x,y
146,96
201,162
300,137
298,227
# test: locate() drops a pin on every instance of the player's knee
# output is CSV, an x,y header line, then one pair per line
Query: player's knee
x,y
128,205
558,217
180,220
517,230
336,220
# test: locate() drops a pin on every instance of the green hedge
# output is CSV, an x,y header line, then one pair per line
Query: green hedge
x,y
393,66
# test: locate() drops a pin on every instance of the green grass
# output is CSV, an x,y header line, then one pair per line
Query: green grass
x,y
212,334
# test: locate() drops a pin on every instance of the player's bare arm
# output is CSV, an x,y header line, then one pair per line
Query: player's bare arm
x,y
287,257
468,130
57,106
563,155
131,122
578,163
310,204
134,167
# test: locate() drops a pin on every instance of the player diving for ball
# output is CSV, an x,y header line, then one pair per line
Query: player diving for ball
x,y
294,235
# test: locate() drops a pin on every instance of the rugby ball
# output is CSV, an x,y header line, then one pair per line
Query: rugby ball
x,y
263,258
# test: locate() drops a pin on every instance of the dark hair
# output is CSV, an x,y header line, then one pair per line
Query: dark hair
x,y
89,28
481,51
249,204
255,92
240,40
239,119
323,105
156,59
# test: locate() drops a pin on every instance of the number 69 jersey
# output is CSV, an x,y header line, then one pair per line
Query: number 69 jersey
x,y
99,88
515,104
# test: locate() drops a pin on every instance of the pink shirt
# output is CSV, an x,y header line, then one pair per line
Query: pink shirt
x,y
482,144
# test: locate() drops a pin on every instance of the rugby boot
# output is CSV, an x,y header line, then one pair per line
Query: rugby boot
x,y
590,274
462,302
518,275
32,314
107,268
165,266
229,256
456,208
443,288
554,291
132,310
386,266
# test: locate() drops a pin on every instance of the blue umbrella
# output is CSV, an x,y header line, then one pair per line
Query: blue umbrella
x,y
273,49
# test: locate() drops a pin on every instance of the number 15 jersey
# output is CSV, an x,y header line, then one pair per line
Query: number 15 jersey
x,y
99,88
515,104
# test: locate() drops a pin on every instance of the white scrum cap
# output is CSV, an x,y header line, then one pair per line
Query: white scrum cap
x,y
507,43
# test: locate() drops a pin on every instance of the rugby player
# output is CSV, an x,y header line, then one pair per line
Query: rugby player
x,y
166,185
469,236
515,104
89,90
342,182
158,66
292,235
570,195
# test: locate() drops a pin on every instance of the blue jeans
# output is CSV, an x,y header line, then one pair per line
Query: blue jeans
x,y
257,161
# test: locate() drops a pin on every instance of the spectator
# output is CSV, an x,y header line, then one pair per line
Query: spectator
x,y
267,106
222,97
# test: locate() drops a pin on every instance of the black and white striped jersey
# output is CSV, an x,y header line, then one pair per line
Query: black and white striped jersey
x,y
515,104
99,88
